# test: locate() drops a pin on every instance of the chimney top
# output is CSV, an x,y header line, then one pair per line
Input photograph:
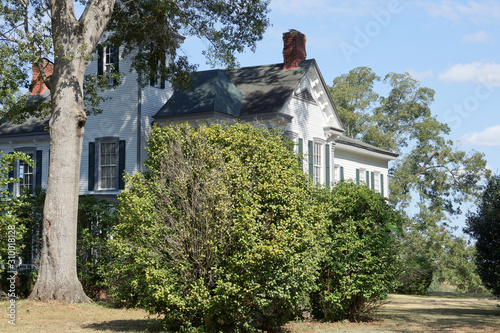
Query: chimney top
x,y
38,86
294,49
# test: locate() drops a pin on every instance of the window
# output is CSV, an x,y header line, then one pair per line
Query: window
x,y
108,62
29,176
106,164
317,163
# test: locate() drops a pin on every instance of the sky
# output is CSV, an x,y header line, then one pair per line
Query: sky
x,y
450,46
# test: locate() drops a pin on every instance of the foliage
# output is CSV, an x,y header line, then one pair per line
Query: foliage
x,y
9,223
220,233
96,218
430,174
415,281
484,227
362,261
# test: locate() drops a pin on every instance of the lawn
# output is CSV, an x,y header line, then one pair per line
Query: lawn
x,y
443,313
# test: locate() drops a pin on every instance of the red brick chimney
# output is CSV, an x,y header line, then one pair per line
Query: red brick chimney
x,y
38,86
294,49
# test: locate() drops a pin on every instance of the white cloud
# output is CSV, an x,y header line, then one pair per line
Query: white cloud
x,y
487,73
478,37
489,137
420,76
477,11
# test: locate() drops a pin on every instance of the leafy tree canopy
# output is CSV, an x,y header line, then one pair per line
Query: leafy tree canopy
x,y
430,180
484,227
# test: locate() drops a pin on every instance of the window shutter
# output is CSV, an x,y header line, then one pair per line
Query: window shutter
x,y
310,146
116,61
121,164
162,83
382,184
357,176
327,165
341,170
372,181
100,60
367,177
152,81
301,151
11,175
91,166
38,168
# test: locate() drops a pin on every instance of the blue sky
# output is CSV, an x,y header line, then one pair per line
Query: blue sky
x,y
450,46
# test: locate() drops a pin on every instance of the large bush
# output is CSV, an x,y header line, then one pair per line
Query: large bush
x,y
362,262
484,227
220,233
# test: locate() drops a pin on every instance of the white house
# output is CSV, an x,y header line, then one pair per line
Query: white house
x,y
291,96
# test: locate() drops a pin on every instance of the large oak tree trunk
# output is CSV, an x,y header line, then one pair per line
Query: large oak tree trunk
x,y
74,41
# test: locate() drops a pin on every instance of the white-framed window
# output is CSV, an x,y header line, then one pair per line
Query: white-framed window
x,y
318,147
29,176
376,179
108,61
106,164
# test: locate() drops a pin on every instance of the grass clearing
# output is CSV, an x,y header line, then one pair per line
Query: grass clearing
x,y
443,312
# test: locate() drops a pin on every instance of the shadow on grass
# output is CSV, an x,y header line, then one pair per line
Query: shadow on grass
x,y
447,318
133,325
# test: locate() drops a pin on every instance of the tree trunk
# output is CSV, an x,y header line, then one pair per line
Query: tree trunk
x,y
57,277
74,40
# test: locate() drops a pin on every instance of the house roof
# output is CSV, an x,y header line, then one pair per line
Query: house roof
x,y
356,143
264,89
32,125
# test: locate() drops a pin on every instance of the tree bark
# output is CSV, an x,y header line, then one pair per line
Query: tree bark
x,y
74,41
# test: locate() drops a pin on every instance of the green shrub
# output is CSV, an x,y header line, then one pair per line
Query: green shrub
x,y
415,281
362,257
220,234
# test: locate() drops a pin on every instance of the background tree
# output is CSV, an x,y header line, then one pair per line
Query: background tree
x,y
431,176
484,227
31,31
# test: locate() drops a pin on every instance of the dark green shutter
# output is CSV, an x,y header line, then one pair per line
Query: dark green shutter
x,y
116,61
11,175
327,165
162,83
310,145
100,60
301,152
38,168
372,181
382,184
91,174
367,178
357,176
341,174
121,164
152,81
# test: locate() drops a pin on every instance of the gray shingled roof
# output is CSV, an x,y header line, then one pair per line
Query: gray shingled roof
x,y
265,89
32,126
356,143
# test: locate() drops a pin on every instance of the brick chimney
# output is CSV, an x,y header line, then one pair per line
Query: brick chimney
x,y
38,86
294,49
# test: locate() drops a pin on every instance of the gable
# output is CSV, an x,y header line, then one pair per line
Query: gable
x,y
314,84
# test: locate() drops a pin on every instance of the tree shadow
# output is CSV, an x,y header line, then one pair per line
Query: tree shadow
x,y
133,325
